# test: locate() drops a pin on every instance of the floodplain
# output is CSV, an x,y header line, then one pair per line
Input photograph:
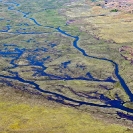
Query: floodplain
x,y
65,66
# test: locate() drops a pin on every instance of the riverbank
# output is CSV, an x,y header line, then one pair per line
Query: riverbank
x,y
21,112
61,61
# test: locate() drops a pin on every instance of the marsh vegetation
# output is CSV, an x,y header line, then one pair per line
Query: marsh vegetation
x,y
69,56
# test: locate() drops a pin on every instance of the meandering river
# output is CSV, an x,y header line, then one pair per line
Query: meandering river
x,y
18,52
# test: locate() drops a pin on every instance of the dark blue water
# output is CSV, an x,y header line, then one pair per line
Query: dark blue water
x,y
14,45
65,64
126,116
6,29
52,45
17,53
116,69
35,22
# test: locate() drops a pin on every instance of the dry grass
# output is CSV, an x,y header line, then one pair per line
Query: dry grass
x,y
19,116
112,26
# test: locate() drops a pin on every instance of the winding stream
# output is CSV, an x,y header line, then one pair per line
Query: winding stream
x,y
108,102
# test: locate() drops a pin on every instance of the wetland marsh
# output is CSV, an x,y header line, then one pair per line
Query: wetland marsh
x,y
53,52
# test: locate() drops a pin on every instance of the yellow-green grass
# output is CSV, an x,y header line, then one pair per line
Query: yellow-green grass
x,y
49,17
4,63
77,89
129,105
111,26
19,115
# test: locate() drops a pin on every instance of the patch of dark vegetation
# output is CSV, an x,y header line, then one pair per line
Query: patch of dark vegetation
x,y
114,10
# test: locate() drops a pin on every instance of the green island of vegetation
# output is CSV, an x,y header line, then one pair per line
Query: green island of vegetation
x,y
65,67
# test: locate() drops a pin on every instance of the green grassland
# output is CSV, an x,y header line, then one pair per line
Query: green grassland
x,y
37,115
22,112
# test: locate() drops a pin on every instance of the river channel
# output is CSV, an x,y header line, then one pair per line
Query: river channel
x,y
118,104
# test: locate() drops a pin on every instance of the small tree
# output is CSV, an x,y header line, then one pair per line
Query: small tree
x,y
114,10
